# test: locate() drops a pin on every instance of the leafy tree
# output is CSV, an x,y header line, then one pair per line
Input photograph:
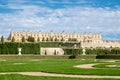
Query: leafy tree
x,y
51,39
47,39
13,39
31,39
38,39
72,39
55,53
45,52
56,39
23,39
2,39
43,39
62,39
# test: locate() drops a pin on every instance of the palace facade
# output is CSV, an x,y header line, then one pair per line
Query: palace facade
x,y
86,39
52,36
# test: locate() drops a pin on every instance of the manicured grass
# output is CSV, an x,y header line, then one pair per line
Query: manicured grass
x,y
54,66
23,77
114,65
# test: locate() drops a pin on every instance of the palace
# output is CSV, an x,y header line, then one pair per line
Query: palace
x,y
52,36
86,39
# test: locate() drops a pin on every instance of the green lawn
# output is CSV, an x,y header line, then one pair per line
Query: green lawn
x,y
23,77
115,65
55,66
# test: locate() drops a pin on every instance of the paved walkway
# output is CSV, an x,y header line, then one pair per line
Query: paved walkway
x,y
60,75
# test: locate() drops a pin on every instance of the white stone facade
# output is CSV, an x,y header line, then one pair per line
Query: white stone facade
x,y
87,39
103,44
51,51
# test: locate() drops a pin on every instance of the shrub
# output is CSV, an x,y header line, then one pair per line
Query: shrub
x,y
109,56
72,56
71,51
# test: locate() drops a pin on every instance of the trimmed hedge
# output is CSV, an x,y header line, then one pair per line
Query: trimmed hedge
x,y
69,44
71,51
27,48
100,51
110,56
12,48
72,56
34,48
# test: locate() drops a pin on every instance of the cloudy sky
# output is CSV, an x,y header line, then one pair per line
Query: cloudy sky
x,y
69,15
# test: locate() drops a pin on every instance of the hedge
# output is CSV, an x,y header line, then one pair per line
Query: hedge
x,y
103,51
71,51
27,48
69,44
109,56
34,48
12,48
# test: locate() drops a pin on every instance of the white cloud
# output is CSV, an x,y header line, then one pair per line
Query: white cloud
x,y
67,2
70,19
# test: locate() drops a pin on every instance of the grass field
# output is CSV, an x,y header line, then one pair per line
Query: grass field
x,y
22,77
58,66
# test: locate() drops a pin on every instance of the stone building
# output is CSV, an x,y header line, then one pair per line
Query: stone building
x,y
52,36
102,44
87,40
51,51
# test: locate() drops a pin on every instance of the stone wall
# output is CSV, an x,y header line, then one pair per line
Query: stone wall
x,y
103,44
51,51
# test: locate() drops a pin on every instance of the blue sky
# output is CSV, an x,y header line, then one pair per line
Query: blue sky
x,y
69,15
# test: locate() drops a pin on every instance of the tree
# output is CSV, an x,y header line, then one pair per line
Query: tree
x,y
56,39
51,39
62,39
47,39
43,39
28,38
55,53
23,39
72,39
45,52
38,39
2,39
31,39
13,39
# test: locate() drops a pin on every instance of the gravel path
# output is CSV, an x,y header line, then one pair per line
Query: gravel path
x,y
87,66
60,75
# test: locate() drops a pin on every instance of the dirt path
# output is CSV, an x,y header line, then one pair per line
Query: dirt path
x,y
60,75
90,66
87,66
